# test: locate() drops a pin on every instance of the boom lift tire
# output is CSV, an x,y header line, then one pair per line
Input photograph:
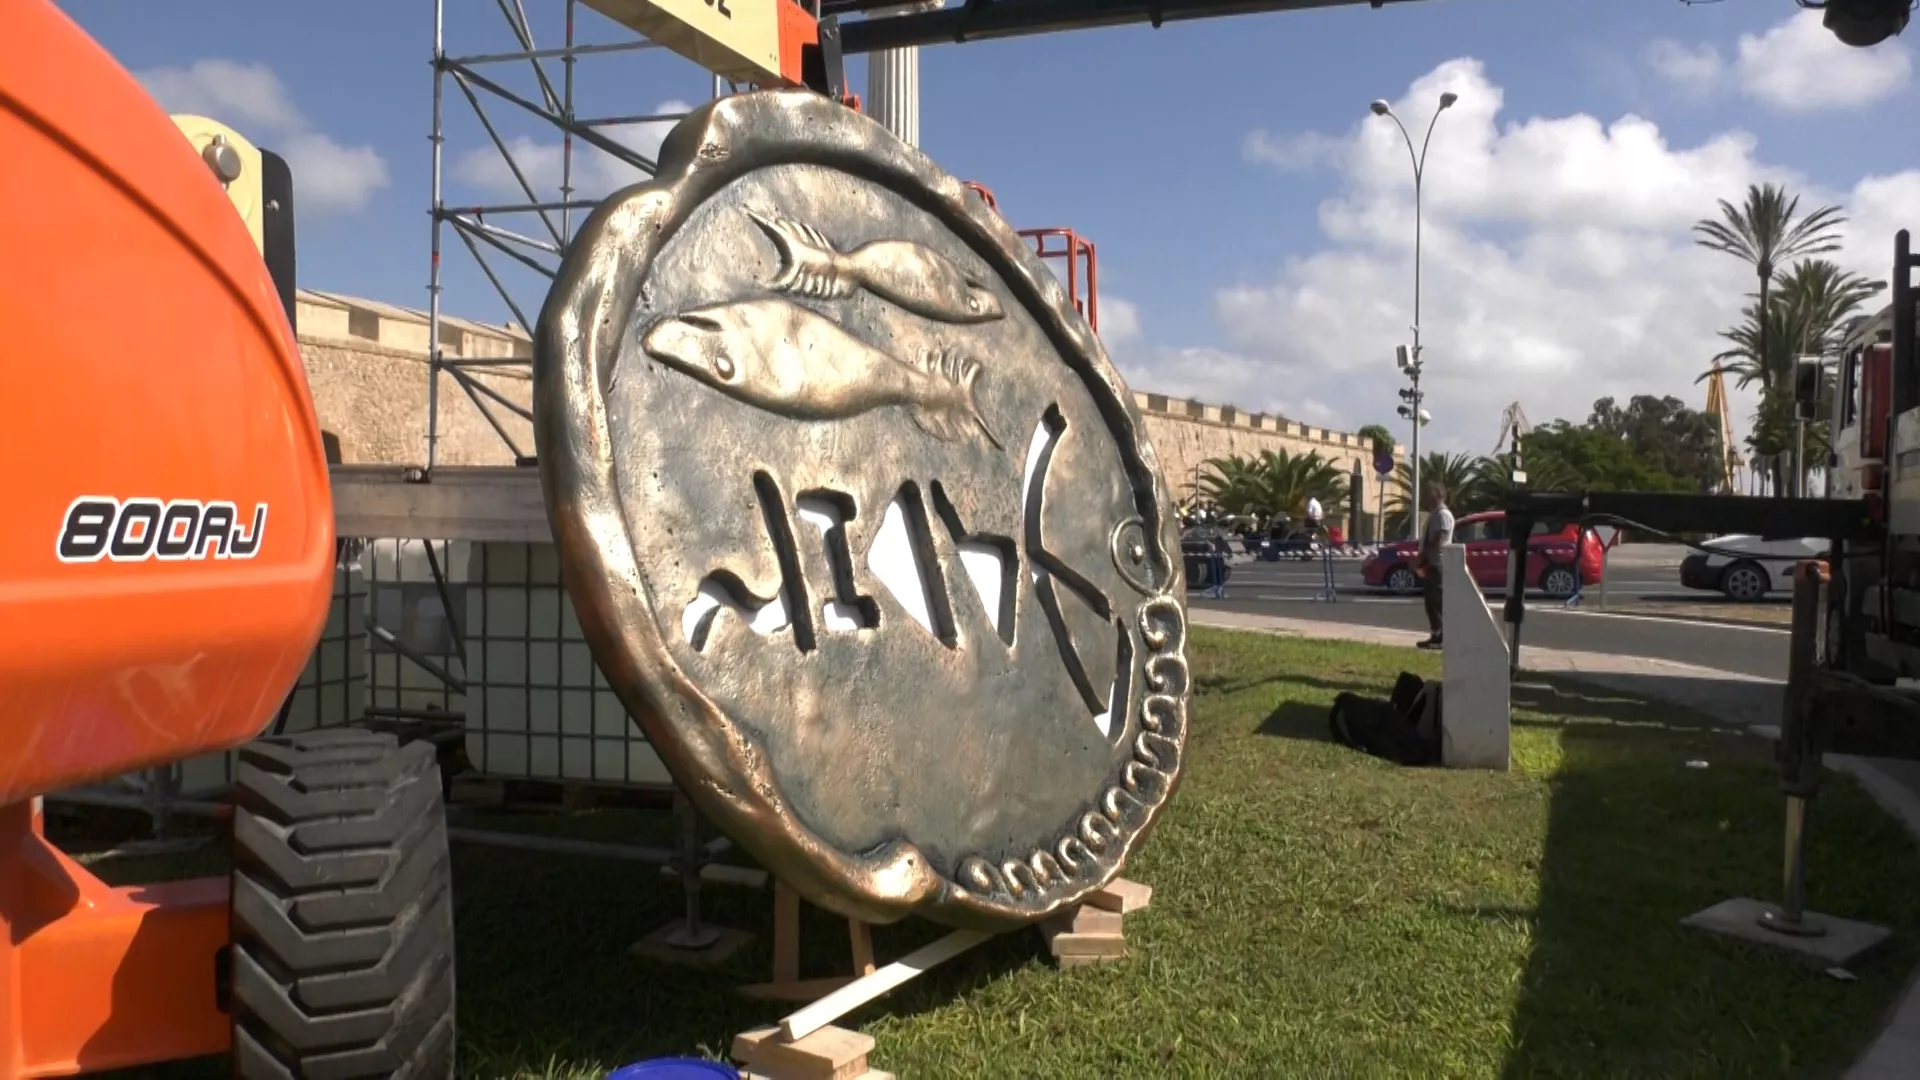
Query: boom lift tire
x,y
342,958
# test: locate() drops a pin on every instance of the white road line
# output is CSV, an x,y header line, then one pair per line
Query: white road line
x,y
1308,599
1716,623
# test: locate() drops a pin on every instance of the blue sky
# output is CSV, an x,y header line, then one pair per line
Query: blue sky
x,y
1253,223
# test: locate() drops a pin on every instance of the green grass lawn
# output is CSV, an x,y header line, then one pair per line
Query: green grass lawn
x,y
1316,914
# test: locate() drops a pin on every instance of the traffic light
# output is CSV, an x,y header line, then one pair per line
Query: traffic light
x,y
1806,390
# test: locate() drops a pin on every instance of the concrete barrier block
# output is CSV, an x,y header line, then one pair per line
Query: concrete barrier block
x,y
1477,706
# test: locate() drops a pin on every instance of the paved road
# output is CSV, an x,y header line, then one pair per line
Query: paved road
x,y
1287,589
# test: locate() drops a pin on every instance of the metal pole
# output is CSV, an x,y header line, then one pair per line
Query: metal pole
x,y
691,933
566,143
438,139
1800,459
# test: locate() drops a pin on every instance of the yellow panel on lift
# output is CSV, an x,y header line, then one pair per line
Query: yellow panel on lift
x,y
239,171
736,39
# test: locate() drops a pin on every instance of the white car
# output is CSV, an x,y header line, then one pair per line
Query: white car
x,y
1747,568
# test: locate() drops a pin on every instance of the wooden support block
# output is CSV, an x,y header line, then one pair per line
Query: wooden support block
x,y
1082,920
829,1053
1089,945
1122,896
1082,961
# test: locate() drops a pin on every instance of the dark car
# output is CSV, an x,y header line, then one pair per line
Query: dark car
x,y
1199,548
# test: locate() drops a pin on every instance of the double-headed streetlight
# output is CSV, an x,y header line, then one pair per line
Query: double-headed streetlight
x,y
1411,363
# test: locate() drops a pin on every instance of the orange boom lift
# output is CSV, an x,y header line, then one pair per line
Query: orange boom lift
x,y
166,562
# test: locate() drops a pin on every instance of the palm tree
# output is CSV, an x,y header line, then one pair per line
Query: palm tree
x,y
1459,473
1234,484
1808,313
1764,233
1291,479
1492,485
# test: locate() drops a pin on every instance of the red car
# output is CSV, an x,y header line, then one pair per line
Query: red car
x,y
1550,558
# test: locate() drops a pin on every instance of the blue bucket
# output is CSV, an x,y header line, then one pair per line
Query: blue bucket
x,y
675,1069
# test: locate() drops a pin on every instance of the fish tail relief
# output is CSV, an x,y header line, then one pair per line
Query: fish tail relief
x,y
950,413
809,265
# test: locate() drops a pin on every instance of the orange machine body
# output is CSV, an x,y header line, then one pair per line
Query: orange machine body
x,y
166,542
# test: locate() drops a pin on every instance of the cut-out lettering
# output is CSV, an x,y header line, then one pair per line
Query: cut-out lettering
x,y
721,591
828,512
989,562
903,559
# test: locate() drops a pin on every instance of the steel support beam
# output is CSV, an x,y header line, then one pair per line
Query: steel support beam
x,y
977,20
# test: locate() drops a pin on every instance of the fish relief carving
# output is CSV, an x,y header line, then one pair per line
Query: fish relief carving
x,y
776,355
906,274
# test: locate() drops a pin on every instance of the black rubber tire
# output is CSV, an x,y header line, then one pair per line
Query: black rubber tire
x,y
342,955
1568,580
1402,581
1745,572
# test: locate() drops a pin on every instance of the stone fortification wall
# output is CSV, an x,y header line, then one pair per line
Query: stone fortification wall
x,y
367,364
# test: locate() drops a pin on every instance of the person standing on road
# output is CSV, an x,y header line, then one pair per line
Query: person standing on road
x,y
1437,535
1313,517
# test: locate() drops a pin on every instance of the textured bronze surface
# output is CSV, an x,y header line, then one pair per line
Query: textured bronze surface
x,y
860,521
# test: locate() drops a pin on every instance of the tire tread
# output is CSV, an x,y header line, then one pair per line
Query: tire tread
x,y
343,965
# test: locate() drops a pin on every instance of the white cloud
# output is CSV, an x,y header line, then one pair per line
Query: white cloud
x,y
251,99
1305,150
1798,66
1558,268
1694,71
1212,375
596,173
1119,321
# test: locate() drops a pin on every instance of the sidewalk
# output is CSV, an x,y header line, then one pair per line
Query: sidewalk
x,y
1742,700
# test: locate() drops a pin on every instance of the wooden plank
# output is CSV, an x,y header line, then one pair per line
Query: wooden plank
x,y
862,936
786,934
457,503
860,991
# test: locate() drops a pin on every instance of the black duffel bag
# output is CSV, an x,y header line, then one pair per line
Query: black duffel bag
x,y
1405,729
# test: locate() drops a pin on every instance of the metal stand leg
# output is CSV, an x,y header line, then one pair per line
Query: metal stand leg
x,y
159,801
1799,753
1791,916
690,934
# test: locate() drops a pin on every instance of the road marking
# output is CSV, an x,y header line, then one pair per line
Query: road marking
x,y
1309,599
1716,623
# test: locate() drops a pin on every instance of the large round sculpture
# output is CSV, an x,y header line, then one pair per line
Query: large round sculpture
x,y
861,523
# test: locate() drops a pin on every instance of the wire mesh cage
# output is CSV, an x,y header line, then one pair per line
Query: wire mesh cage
x,y
538,707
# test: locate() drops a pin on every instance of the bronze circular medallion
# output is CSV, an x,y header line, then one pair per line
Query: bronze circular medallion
x,y
860,521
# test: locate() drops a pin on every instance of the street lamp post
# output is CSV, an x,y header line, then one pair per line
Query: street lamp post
x,y
1413,396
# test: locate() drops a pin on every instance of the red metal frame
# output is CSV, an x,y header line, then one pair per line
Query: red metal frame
x,y
1061,243
1077,250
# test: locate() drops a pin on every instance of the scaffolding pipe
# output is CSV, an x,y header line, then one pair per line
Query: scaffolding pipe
x,y
438,138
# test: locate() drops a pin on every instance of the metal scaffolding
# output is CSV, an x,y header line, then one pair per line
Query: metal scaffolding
x,y
517,245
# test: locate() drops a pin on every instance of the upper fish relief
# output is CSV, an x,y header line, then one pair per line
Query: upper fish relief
x,y
901,272
788,359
